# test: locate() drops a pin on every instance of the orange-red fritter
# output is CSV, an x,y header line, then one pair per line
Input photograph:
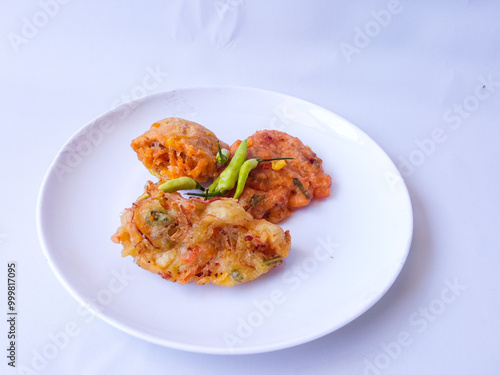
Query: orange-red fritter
x,y
175,147
273,194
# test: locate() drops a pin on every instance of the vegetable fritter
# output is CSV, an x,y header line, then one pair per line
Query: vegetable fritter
x,y
191,240
175,147
273,191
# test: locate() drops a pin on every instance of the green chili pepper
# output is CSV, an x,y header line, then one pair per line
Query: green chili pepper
x,y
211,191
229,177
243,175
222,155
181,183
245,170
213,186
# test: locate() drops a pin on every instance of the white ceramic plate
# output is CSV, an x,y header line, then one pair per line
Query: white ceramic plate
x,y
346,252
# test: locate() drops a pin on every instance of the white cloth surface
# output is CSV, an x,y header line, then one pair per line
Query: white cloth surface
x,y
421,78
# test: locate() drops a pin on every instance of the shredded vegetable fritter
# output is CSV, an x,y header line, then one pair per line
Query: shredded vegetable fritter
x,y
195,241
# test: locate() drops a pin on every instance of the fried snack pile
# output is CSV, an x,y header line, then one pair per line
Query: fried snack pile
x,y
213,237
191,240
174,147
272,194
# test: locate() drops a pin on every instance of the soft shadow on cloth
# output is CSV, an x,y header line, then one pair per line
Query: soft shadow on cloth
x,y
217,20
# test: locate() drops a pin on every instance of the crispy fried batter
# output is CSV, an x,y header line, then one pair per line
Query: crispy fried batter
x,y
273,194
174,148
189,240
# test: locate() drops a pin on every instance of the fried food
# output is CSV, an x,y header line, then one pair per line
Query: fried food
x,y
195,241
175,147
272,194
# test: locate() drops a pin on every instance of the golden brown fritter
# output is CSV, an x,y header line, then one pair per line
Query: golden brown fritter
x,y
190,240
273,194
175,147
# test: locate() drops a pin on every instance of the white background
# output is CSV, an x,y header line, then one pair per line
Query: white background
x,y
402,72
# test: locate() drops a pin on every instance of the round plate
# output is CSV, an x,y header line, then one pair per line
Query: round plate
x,y
346,251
